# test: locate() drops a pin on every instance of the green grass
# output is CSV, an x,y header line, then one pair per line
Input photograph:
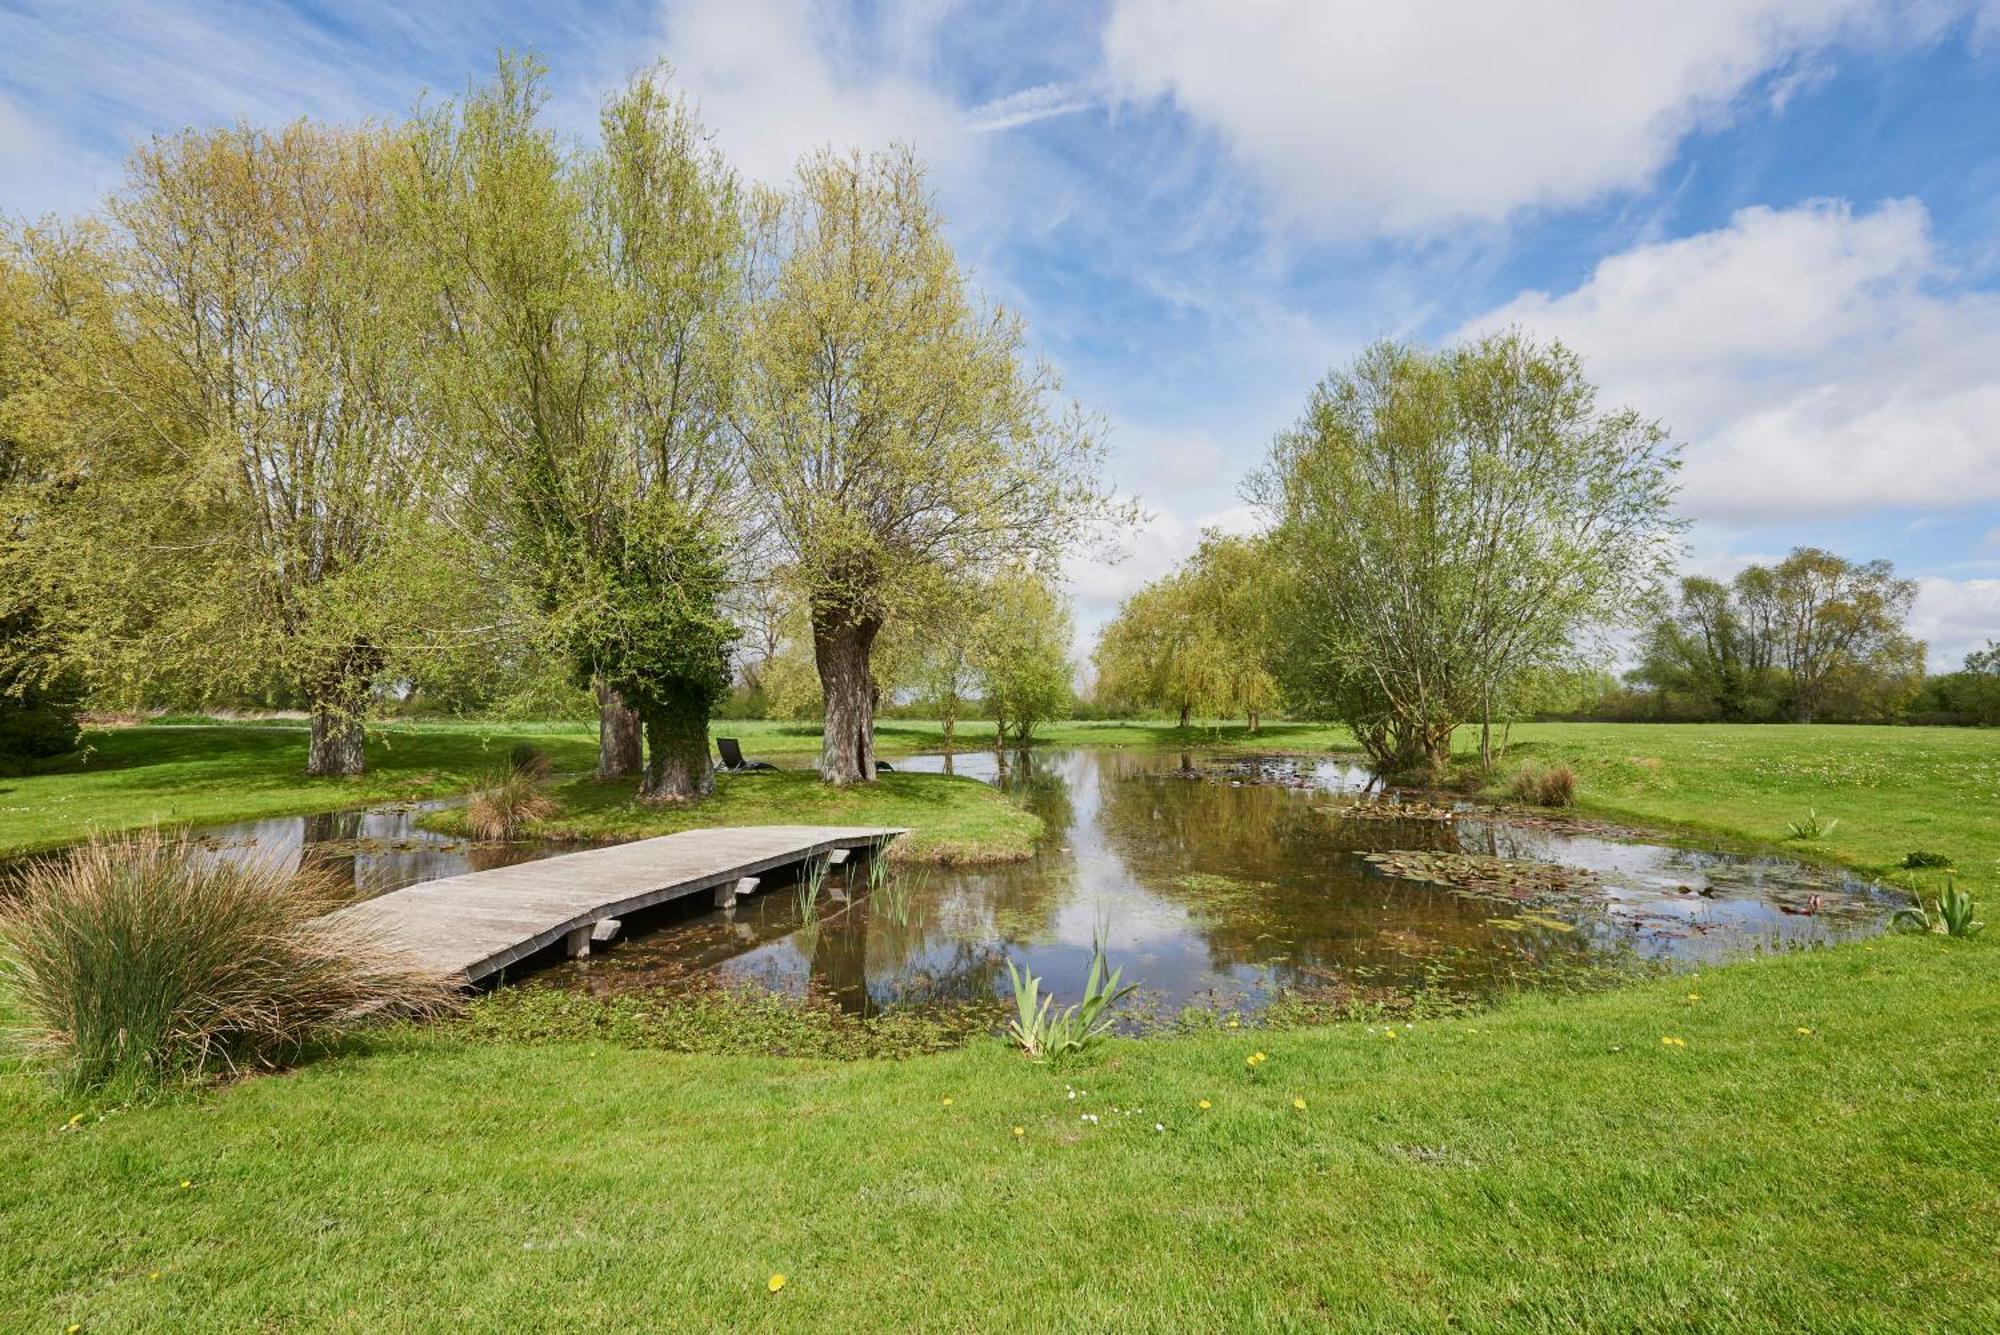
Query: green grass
x,y
133,777
951,819
1894,790
1548,1165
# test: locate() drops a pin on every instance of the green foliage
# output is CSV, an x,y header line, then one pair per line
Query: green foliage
x,y
1811,828
1043,1032
145,961
1021,654
1950,913
1446,521
895,435
1815,636
1922,859
1197,642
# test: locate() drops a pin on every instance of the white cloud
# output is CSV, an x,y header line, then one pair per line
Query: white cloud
x,y
775,79
1362,116
1955,617
1810,358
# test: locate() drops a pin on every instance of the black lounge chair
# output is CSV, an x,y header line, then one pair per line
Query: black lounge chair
x,y
732,757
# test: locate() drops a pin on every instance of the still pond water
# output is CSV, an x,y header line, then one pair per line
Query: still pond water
x,y
1217,883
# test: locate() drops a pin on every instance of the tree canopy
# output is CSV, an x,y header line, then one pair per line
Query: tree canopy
x,y
1445,521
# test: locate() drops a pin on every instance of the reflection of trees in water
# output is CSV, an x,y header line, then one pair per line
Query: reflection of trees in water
x,y
1270,880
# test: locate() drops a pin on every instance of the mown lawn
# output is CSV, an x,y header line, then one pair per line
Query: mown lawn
x,y
1552,1164
1893,790
950,819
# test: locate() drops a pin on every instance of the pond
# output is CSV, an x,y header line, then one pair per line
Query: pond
x,y
1218,883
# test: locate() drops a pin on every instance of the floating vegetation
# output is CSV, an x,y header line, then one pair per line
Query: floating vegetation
x,y
1528,920
1391,809
1500,880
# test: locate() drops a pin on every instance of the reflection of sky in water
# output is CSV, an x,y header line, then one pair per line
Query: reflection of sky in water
x,y
1215,882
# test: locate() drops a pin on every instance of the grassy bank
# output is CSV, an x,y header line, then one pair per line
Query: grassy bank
x,y
1892,790
132,777
950,819
1550,1164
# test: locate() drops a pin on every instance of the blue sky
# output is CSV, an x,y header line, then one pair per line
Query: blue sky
x,y
1773,224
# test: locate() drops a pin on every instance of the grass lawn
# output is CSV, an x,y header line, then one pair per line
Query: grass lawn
x,y
951,819
1551,1164
131,777
1893,790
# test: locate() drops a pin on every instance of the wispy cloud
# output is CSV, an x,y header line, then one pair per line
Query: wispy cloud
x,y
1029,105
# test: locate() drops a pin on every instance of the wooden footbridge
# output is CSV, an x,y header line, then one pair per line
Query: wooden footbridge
x,y
474,925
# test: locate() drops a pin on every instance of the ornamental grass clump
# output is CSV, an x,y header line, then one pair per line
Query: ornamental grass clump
x,y
508,803
1551,787
141,961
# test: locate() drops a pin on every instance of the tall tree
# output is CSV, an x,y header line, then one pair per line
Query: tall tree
x,y
1020,654
586,357
261,511
1450,519
1834,616
1198,640
893,431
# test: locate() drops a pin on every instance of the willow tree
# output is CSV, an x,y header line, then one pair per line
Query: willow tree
x,y
1450,520
893,429
584,356
263,496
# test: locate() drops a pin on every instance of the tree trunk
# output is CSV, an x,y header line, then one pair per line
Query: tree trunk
x,y
677,765
1253,720
619,735
337,736
1184,718
841,649
1486,731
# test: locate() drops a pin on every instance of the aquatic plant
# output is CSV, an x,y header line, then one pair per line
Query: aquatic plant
x,y
1042,1031
893,893
506,804
1812,827
1476,876
1551,787
1951,913
143,960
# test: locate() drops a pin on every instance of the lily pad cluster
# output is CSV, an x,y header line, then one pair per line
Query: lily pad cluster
x,y
1378,809
1497,880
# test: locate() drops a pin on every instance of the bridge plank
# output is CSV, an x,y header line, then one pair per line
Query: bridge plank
x,y
478,923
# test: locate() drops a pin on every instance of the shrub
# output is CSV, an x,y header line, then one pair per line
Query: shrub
x,y
506,804
1551,787
142,960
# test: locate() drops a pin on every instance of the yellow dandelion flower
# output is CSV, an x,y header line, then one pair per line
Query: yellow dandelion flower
x,y
1388,1033
1694,996
1204,1104
73,1327
945,1104
76,1120
154,1275
186,1182
1020,1130
775,1283
1300,1104
1803,1030
1235,1023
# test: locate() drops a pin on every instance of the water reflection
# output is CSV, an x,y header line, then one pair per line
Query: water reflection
x,y
1217,882
1225,883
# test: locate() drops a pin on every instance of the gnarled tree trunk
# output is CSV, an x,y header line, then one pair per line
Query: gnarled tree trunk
x,y
337,740
841,649
619,735
676,759
338,700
